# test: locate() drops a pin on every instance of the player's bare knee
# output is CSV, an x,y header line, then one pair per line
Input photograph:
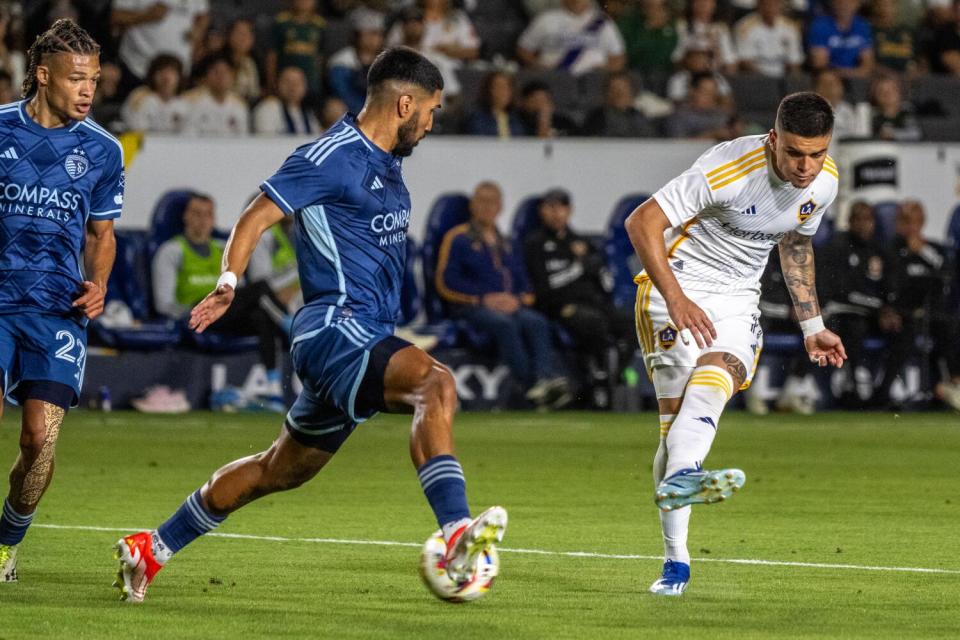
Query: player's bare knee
x,y
440,387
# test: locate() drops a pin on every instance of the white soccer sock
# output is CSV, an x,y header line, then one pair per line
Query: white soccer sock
x,y
692,433
161,552
674,524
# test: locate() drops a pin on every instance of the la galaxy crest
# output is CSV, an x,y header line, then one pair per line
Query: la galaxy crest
x,y
806,210
667,337
76,163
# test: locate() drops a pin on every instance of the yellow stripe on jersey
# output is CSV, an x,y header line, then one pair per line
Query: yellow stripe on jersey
x,y
831,167
743,172
744,159
684,235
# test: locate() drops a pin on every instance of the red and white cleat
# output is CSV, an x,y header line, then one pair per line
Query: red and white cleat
x,y
137,566
468,542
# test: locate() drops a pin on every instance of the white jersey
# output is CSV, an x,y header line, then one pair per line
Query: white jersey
x,y
728,211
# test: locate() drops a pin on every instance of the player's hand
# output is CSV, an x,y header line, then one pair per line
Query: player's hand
x,y
686,315
91,300
211,308
825,348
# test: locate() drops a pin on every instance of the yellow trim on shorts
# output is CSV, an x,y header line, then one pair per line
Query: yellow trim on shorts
x,y
756,362
642,310
744,159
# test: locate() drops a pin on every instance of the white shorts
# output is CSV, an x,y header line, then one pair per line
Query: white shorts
x,y
736,319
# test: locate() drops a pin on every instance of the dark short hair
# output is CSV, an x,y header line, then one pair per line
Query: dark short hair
x,y
535,86
556,195
161,62
806,114
403,64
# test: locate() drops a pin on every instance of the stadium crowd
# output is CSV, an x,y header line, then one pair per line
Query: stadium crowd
x,y
545,68
513,68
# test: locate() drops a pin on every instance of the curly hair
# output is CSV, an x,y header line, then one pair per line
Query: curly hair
x,y
64,36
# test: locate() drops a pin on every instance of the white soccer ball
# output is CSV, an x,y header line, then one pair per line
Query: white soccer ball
x,y
435,576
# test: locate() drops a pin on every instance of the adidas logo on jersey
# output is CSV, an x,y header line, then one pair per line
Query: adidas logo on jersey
x,y
750,211
376,184
10,154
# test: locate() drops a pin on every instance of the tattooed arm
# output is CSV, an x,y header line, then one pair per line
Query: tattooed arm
x,y
796,261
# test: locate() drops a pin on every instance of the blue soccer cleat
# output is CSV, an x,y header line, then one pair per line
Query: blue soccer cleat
x,y
692,486
674,580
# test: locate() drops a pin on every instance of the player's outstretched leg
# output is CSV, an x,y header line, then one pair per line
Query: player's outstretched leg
x,y
414,380
31,474
285,465
674,524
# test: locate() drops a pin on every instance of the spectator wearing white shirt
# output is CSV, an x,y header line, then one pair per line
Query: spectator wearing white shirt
x,y
286,113
578,38
767,42
157,106
152,27
213,107
448,39
700,29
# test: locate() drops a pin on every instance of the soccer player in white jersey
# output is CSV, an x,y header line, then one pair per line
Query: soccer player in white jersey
x,y
704,240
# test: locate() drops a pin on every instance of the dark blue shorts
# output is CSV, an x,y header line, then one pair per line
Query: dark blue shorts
x,y
41,348
340,360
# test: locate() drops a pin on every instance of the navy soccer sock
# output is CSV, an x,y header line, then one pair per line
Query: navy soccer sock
x,y
446,489
13,526
189,522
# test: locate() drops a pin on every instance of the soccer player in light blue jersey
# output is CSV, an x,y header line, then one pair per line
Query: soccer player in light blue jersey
x,y
346,193
61,187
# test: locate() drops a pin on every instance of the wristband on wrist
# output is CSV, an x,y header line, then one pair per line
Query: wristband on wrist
x,y
812,326
228,278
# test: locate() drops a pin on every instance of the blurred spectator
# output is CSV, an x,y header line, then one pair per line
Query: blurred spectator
x,y
649,35
618,117
768,42
852,279
275,262
152,27
107,101
842,41
535,7
214,41
846,122
8,93
241,39
920,277
538,113
157,106
213,109
484,281
347,72
496,115
12,59
448,39
944,52
332,109
893,119
577,38
567,273
286,113
186,268
297,42
699,29
702,115
696,61
893,41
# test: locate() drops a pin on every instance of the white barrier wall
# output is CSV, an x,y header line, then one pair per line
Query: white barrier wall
x,y
596,172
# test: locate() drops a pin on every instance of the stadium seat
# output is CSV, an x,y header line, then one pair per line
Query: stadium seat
x,y
940,129
755,92
856,90
886,212
526,220
824,232
935,94
167,218
621,258
129,284
953,230
411,300
447,211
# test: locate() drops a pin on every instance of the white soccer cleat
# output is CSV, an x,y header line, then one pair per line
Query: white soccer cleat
x,y
467,543
692,486
8,563
137,566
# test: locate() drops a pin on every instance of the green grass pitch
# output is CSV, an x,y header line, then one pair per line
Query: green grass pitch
x,y
861,490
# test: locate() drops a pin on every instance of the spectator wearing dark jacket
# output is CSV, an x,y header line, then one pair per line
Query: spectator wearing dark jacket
x,y
618,118
853,274
567,274
480,276
496,115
